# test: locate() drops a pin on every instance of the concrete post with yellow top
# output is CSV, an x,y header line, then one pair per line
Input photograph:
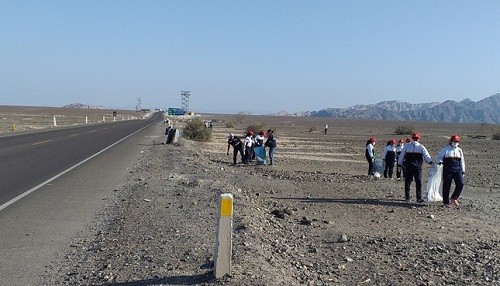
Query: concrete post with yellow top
x,y
223,243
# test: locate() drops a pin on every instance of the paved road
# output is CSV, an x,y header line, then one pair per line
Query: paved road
x,y
35,228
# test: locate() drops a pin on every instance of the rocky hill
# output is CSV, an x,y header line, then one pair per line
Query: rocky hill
x,y
84,106
466,111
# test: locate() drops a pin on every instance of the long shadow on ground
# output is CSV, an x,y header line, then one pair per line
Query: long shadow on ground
x,y
174,280
376,202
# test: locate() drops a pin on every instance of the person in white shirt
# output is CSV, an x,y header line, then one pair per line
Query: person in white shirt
x,y
399,147
389,157
248,144
452,158
370,154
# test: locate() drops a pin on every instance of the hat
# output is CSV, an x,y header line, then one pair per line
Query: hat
x,y
415,136
231,135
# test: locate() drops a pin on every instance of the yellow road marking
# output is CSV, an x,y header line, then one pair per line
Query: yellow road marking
x,y
41,142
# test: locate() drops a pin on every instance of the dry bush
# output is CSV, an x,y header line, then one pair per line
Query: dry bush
x,y
404,129
256,127
196,130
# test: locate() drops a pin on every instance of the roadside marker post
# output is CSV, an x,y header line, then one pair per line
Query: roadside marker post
x,y
224,239
55,122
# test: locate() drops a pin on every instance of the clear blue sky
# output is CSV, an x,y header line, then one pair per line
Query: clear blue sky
x,y
257,56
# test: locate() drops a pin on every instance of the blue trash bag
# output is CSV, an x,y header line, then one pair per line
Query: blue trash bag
x,y
260,155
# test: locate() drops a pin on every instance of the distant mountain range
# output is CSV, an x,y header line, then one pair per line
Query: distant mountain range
x,y
486,110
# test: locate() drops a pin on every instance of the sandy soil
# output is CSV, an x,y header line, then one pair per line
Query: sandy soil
x,y
314,218
18,119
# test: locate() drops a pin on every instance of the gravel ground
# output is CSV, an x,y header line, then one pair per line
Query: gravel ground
x,y
314,218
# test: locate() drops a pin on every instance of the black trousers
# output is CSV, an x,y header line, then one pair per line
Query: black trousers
x,y
237,149
370,166
248,154
448,177
389,169
413,172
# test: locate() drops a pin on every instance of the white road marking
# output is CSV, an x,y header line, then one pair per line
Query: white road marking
x,y
64,172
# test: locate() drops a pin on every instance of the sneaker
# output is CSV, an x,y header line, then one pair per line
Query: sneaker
x,y
447,206
454,202
421,201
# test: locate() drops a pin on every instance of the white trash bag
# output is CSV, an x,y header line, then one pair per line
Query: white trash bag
x,y
435,184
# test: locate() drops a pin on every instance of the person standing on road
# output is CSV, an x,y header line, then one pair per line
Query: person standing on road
x,y
237,144
389,157
271,143
452,158
370,154
399,147
413,156
326,128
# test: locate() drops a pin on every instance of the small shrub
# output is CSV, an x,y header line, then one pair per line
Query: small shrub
x,y
256,127
496,136
313,129
197,131
229,124
404,129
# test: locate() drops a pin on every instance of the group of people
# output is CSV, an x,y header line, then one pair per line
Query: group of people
x,y
250,145
409,156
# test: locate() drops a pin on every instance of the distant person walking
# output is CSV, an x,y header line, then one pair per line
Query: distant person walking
x,y
452,158
370,154
271,143
237,144
412,156
326,128
389,157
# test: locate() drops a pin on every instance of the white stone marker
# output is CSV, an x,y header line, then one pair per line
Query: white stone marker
x,y
224,240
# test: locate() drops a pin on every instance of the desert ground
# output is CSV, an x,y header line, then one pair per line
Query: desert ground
x,y
313,218
18,119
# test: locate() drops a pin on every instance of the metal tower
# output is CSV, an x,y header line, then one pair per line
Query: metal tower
x,y
138,106
185,99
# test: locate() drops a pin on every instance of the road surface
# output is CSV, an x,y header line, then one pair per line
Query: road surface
x,y
38,225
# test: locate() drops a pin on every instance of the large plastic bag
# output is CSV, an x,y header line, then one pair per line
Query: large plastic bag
x,y
378,166
435,184
260,155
